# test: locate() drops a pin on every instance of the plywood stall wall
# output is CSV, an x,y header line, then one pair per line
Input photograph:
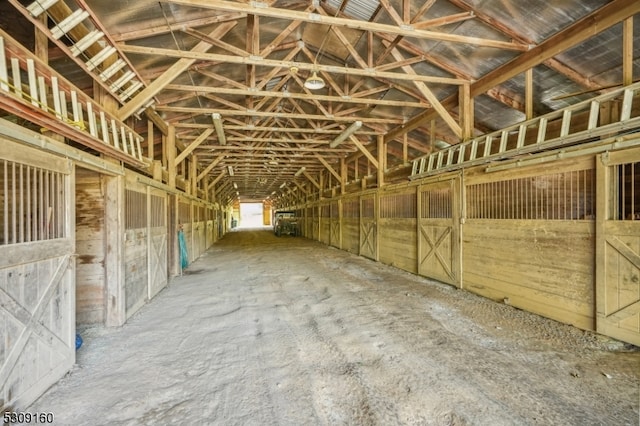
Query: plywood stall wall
x,y
90,246
199,242
157,242
397,229
529,239
37,273
135,248
335,233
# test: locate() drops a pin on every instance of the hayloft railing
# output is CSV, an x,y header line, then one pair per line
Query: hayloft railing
x,y
554,130
31,89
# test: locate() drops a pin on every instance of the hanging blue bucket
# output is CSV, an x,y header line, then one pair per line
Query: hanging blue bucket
x,y
78,341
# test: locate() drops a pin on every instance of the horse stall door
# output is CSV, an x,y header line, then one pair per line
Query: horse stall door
x,y
438,232
368,227
618,247
37,273
157,253
334,225
135,249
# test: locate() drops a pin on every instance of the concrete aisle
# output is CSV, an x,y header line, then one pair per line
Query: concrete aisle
x,y
284,331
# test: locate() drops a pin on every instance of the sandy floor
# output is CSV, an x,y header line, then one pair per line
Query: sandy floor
x,y
284,331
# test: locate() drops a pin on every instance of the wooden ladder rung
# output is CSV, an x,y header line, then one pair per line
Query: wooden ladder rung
x,y
86,41
38,7
112,69
122,80
68,23
100,57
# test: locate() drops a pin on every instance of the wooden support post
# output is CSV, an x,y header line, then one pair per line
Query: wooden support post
x,y
171,156
41,48
432,133
343,176
466,111
627,51
405,148
528,94
114,257
381,160
193,175
150,138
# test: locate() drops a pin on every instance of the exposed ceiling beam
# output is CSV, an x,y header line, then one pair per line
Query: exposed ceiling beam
x,y
596,22
263,9
170,74
255,60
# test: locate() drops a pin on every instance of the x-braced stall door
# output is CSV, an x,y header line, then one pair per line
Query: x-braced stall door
x,y
157,246
334,225
368,227
37,274
618,246
439,231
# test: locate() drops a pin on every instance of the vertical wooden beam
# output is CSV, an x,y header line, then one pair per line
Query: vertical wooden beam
x,y
405,148
150,139
528,93
193,175
171,156
466,111
432,133
381,160
115,314
627,51
41,48
343,175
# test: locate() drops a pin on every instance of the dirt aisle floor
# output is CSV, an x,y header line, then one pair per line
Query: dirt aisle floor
x,y
284,331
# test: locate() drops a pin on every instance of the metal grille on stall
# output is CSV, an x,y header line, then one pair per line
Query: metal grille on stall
x,y
439,231
37,273
618,246
397,228
368,227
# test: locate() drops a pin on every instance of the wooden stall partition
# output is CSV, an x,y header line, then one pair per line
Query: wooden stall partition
x,y
529,238
91,246
351,224
37,272
397,228
369,225
136,249
618,245
157,241
335,231
439,231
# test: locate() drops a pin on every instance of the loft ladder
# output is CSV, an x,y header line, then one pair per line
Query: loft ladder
x,y
107,65
534,135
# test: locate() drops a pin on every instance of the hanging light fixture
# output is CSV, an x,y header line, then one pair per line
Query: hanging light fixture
x,y
314,82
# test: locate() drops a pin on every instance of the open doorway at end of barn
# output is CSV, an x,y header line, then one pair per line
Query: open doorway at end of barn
x,y
251,215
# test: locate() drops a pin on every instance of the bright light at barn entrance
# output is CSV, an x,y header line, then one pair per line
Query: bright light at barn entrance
x,y
251,215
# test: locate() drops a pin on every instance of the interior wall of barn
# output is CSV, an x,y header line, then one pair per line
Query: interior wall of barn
x,y
523,235
83,241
